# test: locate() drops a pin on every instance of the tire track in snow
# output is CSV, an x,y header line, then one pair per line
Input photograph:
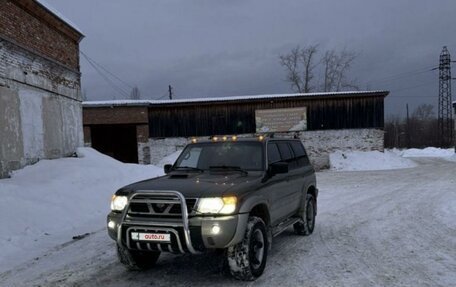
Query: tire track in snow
x,y
367,227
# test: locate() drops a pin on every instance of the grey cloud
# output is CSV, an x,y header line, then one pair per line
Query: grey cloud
x,y
223,48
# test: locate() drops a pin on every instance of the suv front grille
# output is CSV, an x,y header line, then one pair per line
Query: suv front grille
x,y
153,206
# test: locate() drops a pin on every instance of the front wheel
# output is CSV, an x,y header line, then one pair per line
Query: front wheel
x,y
247,259
137,260
307,225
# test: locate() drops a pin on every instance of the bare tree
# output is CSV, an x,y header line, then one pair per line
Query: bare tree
x,y
299,65
421,130
135,94
424,112
336,66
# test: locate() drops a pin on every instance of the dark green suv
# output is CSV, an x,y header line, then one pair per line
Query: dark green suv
x,y
226,193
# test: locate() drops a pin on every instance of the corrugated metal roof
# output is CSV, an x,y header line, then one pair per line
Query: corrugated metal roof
x,y
229,99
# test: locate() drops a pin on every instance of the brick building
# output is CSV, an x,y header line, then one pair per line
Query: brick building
x,y
147,131
40,98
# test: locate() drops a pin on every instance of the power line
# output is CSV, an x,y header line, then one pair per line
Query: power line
x,y
402,75
413,87
106,78
107,71
164,96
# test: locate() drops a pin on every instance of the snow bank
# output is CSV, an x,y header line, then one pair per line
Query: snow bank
x,y
371,160
45,204
426,152
446,154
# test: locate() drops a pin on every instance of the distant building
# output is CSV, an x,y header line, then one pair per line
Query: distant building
x,y
40,95
146,131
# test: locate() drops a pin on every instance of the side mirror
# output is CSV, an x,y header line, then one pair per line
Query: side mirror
x,y
167,168
278,167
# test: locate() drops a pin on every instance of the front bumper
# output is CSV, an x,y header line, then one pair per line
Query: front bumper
x,y
188,234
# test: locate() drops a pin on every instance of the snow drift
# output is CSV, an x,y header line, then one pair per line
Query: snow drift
x,y
46,204
426,152
370,160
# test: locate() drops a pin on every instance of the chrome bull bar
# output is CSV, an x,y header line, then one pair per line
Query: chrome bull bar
x,y
158,225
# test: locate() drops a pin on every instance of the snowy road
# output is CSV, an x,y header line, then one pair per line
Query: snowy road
x,y
376,228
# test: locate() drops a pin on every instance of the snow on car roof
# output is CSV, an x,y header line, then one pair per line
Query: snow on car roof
x,y
59,15
226,99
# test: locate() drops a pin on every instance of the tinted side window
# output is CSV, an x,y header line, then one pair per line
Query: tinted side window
x,y
298,149
273,153
285,151
300,153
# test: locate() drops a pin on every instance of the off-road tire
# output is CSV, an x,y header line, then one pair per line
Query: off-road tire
x,y
242,260
136,260
307,225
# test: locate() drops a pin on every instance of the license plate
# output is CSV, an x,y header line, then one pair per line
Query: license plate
x,y
160,237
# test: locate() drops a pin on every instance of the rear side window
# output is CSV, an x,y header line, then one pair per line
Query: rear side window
x,y
285,151
298,149
273,153
301,158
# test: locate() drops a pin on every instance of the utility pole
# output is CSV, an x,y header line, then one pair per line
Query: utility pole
x,y
170,91
445,110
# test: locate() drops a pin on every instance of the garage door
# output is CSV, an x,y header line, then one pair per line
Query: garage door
x,y
117,141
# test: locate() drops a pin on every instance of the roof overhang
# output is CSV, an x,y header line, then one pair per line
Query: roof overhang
x,y
235,99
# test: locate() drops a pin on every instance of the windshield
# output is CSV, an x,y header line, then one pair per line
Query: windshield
x,y
204,156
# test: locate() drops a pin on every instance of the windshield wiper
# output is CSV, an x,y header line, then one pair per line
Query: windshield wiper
x,y
188,168
229,167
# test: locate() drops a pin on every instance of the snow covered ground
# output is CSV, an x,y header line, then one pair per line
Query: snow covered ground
x,y
426,152
374,228
370,160
48,203
390,159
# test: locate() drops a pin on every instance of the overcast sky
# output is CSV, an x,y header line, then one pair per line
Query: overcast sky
x,y
210,48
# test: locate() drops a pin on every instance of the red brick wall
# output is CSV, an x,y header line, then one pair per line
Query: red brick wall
x,y
28,24
115,115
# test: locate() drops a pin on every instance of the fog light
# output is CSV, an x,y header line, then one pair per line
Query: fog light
x,y
215,229
111,224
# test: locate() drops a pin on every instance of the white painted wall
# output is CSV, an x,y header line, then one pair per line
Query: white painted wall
x,y
319,144
40,109
31,109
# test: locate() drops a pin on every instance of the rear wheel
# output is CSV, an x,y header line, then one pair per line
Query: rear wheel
x,y
137,260
307,225
247,259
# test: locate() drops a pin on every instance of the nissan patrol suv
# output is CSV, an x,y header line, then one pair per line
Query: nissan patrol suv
x,y
227,193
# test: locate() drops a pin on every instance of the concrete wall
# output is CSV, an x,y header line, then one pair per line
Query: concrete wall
x,y
319,144
40,108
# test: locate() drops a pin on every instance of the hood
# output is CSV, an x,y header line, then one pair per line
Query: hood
x,y
195,185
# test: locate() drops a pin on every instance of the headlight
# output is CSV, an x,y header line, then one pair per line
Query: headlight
x,y
221,205
118,203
